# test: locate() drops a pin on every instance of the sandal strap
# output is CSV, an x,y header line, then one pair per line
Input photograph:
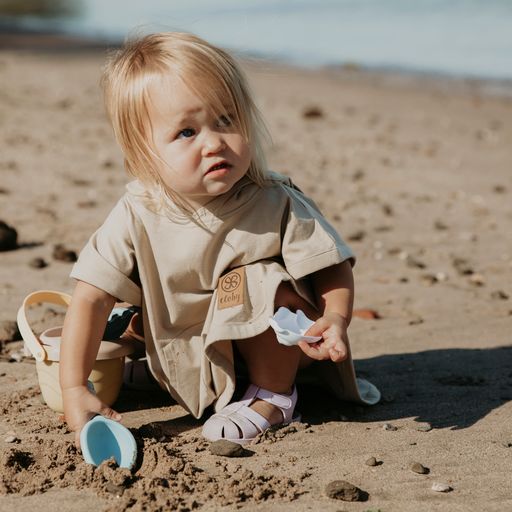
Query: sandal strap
x,y
281,401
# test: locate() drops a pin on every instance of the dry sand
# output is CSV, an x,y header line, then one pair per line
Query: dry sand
x,y
416,173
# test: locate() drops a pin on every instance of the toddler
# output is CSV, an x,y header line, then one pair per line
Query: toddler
x,y
209,244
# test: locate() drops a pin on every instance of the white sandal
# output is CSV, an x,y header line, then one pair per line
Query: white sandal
x,y
238,423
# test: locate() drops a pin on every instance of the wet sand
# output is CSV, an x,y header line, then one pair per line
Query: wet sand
x,y
416,175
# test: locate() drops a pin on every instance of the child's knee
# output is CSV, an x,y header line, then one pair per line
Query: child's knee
x,y
287,297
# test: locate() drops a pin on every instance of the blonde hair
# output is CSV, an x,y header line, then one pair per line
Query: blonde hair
x,y
210,72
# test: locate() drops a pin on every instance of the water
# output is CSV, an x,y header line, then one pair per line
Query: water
x,y
470,38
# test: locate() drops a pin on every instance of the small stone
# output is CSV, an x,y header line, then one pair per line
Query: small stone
x,y
440,225
11,439
37,263
424,427
499,295
366,314
462,267
416,320
225,448
16,357
9,331
8,237
389,427
341,490
356,236
358,175
116,490
441,276
62,254
477,279
387,209
414,263
440,487
312,113
419,468
372,461
428,279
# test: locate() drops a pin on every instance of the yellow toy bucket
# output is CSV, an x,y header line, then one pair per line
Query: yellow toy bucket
x,y
107,373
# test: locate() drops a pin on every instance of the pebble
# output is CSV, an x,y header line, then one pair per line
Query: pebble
x,y
414,263
356,236
462,267
372,461
11,439
37,263
116,490
8,237
226,448
341,490
16,357
440,225
367,314
441,276
62,254
419,468
440,487
416,320
477,279
499,295
389,427
424,427
312,113
428,279
9,331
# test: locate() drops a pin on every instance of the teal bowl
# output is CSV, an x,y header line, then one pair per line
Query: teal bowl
x,y
102,439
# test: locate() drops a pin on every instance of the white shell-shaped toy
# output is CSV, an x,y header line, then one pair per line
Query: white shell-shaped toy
x,y
290,327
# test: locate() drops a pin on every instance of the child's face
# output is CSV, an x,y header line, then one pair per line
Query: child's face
x,y
202,156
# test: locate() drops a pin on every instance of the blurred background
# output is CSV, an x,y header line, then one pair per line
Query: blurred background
x,y
467,38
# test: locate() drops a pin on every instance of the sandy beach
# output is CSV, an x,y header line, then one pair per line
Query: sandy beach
x,y
416,173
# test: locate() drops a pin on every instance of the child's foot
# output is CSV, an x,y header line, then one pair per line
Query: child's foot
x,y
270,412
258,410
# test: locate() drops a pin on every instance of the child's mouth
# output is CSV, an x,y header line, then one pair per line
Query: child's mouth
x,y
221,166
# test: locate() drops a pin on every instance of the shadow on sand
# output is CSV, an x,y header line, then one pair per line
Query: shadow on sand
x,y
448,388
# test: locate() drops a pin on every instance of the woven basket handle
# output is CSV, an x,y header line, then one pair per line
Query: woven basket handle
x,y
42,296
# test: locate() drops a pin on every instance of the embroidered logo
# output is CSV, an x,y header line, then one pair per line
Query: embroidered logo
x,y
231,289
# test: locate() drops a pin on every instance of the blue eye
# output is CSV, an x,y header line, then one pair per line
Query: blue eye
x,y
224,121
186,133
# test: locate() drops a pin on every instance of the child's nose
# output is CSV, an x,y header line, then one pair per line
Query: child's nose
x,y
214,142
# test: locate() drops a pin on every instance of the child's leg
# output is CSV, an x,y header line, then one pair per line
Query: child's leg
x,y
273,366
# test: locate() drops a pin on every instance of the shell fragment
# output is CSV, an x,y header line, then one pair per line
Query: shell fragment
x,y
290,327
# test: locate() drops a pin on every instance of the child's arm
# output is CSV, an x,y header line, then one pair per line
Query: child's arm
x,y
334,290
83,330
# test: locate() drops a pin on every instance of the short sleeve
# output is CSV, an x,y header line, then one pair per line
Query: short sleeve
x,y
309,242
108,259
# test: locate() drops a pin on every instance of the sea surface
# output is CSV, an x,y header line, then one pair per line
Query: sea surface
x,y
463,38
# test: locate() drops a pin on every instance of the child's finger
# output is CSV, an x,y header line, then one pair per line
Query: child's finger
x,y
310,350
337,355
313,351
317,328
110,414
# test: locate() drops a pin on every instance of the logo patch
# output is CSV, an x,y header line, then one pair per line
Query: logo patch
x,y
231,289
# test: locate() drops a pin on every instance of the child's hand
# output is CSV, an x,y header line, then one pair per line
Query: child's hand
x,y
333,329
80,405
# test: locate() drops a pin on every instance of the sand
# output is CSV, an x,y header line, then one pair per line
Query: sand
x,y
416,173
